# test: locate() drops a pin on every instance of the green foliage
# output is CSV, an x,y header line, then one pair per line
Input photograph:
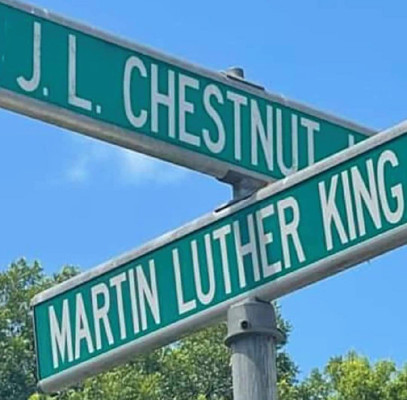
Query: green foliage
x,y
198,366
354,377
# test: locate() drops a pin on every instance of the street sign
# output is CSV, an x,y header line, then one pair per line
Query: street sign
x,y
322,220
87,81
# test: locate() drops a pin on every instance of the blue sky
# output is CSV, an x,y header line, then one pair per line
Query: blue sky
x,y
68,199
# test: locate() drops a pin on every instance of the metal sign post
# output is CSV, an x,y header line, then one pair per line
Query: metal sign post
x,y
252,337
252,328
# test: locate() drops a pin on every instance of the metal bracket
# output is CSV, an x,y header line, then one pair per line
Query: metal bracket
x,y
243,186
237,74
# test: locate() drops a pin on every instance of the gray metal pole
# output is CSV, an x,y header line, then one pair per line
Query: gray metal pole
x,y
252,336
252,327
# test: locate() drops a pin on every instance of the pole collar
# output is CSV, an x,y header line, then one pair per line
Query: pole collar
x,y
252,317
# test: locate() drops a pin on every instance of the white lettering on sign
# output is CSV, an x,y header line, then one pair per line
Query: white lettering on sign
x,y
366,197
221,235
204,298
183,306
266,238
176,106
366,200
246,249
393,216
258,131
177,100
132,63
163,100
330,213
238,102
280,143
215,146
73,98
148,294
100,313
32,84
117,283
225,258
312,127
186,107
61,335
69,345
133,301
350,214
82,331
289,229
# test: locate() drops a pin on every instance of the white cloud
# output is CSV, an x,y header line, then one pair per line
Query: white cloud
x,y
137,168
129,166
78,172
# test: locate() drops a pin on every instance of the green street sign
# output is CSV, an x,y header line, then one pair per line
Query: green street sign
x,y
88,81
324,219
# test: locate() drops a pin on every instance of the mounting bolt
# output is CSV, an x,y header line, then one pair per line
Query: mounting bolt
x,y
244,324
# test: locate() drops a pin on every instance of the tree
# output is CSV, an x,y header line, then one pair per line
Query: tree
x,y
354,377
18,285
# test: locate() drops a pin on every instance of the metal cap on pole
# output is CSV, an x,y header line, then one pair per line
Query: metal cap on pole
x,y
235,72
252,337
